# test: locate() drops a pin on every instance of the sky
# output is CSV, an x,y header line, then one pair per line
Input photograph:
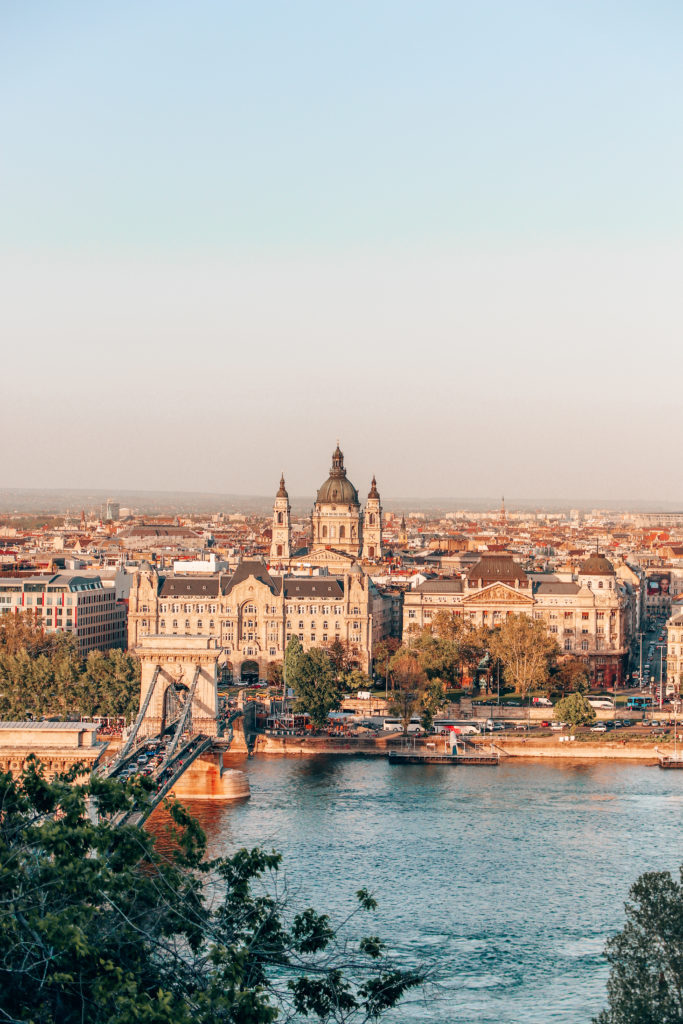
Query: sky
x,y
448,234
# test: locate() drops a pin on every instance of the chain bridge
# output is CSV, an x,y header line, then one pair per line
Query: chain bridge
x,y
180,736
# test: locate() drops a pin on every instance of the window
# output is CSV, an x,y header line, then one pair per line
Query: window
x,y
411,613
600,585
584,615
553,629
212,624
567,645
187,623
175,623
584,645
199,624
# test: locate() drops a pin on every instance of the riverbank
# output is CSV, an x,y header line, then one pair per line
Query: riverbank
x,y
508,747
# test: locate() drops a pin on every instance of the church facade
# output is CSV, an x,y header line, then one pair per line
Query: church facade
x,y
341,531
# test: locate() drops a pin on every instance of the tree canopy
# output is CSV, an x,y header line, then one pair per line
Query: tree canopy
x,y
97,927
525,650
41,674
409,682
574,710
645,985
316,689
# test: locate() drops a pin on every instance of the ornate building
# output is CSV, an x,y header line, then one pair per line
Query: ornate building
x,y
589,616
341,532
252,614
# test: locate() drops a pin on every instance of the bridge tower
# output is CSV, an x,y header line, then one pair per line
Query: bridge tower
x,y
181,668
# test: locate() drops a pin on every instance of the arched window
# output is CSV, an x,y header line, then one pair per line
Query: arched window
x,y
212,624
371,519
199,623
342,532
175,623
279,518
279,549
324,531
187,623
371,552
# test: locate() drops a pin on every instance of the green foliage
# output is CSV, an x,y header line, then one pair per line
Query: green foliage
x,y
525,651
42,675
316,690
339,656
574,710
293,652
646,958
571,676
433,699
409,682
96,927
354,679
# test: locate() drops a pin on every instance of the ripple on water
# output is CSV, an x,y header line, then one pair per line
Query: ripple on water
x,y
505,883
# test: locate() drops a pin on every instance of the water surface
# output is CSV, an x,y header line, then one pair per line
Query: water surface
x,y
506,881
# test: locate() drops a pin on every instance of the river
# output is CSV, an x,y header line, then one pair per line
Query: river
x,y
505,881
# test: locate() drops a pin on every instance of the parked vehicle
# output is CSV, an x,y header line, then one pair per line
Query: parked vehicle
x,y
599,727
602,703
541,702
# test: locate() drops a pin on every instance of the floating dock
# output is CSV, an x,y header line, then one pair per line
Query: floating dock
x,y
667,761
417,757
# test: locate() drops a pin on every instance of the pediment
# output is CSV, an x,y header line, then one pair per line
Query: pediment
x,y
498,593
328,556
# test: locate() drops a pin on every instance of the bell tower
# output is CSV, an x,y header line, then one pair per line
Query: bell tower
x,y
372,525
281,545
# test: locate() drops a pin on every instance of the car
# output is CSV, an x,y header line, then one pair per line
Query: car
x,y
522,725
599,727
492,725
556,726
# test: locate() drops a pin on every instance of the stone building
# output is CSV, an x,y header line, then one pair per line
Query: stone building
x,y
341,532
252,614
589,616
674,652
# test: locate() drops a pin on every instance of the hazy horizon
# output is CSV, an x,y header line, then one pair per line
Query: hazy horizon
x,y
447,234
60,500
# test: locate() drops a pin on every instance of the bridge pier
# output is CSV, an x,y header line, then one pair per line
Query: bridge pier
x,y
207,779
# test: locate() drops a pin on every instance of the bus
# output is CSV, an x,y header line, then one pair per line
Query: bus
x,y
639,703
396,725
442,726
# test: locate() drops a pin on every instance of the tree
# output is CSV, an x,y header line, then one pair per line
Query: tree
x,y
274,673
382,655
645,985
574,710
433,699
44,675
409,683
525,650
293,654
96,926
571,676
339,656
316,690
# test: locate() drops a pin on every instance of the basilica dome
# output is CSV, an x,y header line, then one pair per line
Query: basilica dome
x,y
337,489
